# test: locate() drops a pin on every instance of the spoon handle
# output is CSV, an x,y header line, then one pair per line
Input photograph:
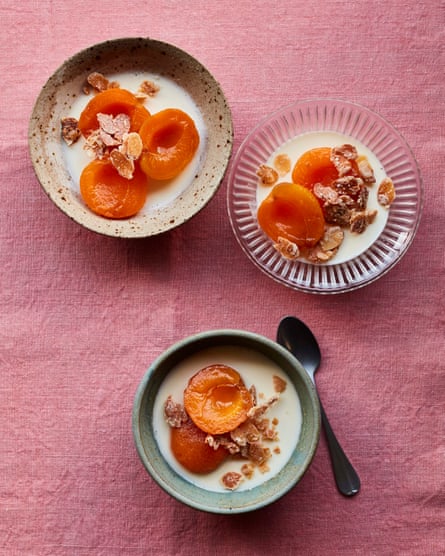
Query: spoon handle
x,y
348,482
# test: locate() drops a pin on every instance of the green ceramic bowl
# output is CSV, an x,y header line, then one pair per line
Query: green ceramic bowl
x,y
236,501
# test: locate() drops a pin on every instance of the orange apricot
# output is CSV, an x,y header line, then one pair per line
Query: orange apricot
x,y
170,140
112,101
216,399
190,449
314,166
109,194
292,212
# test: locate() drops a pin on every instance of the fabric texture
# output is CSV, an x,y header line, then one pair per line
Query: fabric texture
x,y
83,315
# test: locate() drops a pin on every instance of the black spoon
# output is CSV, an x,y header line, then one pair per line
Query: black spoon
x,y
294,335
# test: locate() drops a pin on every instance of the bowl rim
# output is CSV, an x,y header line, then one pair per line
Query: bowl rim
x,y
46,148
347,274
191,344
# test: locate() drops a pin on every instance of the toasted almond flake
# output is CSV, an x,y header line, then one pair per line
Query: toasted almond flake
x,y
325,193
362,198
116,126
123,165
94,145
318,255
122,125
231,480
131,145
258,454
386,192
174,413
247,469
267,175
365,170
245,433
98,81
348,185
264,468
341,158
257,411
346,151
107,139
288,249
282,164
279,384
361,219
253,394
70,130
332,238
148,88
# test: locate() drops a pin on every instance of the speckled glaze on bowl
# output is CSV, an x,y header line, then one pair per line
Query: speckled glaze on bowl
x,y
231,501
124,55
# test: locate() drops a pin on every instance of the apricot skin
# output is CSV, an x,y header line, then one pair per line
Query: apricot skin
x,y
292,212
314,166
110,195
217,400
170,141
190,449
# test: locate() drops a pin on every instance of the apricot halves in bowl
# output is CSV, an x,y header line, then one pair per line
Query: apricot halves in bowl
x,y
292,212
109,194
192,451
217,400
315,166
170,140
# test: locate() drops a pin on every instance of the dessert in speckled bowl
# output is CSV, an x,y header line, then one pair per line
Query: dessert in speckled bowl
x,y
233,381
180,82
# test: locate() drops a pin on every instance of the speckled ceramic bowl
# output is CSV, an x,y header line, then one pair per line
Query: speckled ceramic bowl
x,y
144,56
146,426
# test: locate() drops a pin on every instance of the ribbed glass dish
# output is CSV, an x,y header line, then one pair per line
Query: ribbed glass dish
x,y
360,124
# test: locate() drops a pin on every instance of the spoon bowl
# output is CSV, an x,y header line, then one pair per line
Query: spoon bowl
x,y
295,336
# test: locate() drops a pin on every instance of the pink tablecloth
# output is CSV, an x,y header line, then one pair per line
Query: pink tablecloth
x,y
83,315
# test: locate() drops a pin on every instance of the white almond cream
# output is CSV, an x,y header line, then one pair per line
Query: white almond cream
x,y
353,244
255,369
170,95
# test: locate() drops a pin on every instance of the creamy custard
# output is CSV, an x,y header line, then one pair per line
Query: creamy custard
x,y
170,95
353,244
255,369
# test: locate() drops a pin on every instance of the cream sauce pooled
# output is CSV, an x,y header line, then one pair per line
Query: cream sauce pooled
x,y
255,369
353,244
170,95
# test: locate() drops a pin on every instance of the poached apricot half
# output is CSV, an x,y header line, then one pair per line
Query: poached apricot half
x,y
190,449
217,400
170,140
112,101
314,166
292,212
109,194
